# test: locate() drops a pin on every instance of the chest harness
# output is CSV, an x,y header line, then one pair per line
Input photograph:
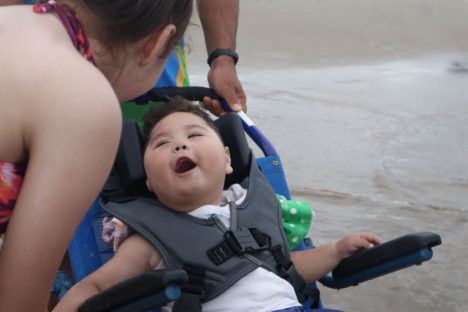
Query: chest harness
x,y
214,256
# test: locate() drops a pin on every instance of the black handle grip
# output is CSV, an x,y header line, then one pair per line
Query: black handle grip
x,y
189,93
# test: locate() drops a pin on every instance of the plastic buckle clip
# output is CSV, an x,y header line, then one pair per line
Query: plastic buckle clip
x,y
242,241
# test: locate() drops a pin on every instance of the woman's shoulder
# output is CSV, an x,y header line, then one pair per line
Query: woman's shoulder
x,y
47,85
39,59
70,88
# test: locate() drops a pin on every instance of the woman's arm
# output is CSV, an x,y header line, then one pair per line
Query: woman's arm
x,y
71,126
135,256
314,263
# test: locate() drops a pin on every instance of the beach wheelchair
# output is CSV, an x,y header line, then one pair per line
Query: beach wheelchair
x,y
87,251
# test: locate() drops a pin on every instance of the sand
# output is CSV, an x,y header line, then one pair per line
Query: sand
x,y
307,33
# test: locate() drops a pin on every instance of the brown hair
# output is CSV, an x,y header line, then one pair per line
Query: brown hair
x,y
119,22
175,105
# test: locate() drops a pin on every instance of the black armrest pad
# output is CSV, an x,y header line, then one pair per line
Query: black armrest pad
x,y
133,288
386,251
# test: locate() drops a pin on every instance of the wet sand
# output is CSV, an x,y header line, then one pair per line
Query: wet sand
x,y
366,103
305,33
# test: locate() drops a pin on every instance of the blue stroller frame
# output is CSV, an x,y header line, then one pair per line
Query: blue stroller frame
x,y
87,252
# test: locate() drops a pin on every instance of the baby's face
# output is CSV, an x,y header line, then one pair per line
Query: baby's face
x,y
186,162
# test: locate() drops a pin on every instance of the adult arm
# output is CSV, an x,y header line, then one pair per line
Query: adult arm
x,y
312,264
135,256
71,132
219,21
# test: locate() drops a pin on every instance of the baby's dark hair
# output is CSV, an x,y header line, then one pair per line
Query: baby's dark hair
x,y
175,105
119,22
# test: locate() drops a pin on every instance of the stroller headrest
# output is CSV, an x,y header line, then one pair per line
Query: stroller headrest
x,y
232,132
128,175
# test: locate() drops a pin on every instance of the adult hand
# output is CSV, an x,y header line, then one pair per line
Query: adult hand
x,y
223,79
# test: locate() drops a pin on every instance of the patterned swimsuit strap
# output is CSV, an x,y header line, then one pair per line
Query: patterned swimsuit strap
x,y
72,23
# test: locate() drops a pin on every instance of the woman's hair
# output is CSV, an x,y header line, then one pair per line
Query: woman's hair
x,y
175,105
119,22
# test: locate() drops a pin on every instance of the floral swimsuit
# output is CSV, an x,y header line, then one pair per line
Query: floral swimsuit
x,y
11,174
11,178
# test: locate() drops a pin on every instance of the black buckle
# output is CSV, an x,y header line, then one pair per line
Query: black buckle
x,y
242,241
237,243
288,271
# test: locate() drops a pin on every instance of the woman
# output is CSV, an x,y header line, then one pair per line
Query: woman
x,y
65,68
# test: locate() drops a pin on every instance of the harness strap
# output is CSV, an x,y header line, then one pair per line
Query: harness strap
x,y
192,291
287,271
239,242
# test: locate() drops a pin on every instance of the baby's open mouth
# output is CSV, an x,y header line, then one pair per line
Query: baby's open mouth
x,y
184,164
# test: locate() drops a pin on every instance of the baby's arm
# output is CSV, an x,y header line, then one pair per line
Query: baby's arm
x,y
135,256
314,263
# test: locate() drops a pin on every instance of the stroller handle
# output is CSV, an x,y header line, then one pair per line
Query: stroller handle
x,y
197,94
189,93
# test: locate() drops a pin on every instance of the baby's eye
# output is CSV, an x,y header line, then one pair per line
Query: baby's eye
x,y
160,143
194,135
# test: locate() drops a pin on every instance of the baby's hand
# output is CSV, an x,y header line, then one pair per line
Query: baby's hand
x,y
348,245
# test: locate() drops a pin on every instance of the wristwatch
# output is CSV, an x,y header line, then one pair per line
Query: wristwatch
x,y
219,52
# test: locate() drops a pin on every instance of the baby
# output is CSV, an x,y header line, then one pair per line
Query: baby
x,y
232,238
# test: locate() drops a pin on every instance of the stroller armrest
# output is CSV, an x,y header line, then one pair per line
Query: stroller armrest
x,y
139,293
388,257
386,251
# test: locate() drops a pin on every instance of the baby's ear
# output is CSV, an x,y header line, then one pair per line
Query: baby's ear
x,y
228,161
155,44
149,186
